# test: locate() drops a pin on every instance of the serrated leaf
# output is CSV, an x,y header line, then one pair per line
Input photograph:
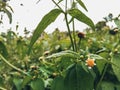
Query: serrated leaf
x,y
46,20
37,84
75,13
82,4
78,79
116,67
58,83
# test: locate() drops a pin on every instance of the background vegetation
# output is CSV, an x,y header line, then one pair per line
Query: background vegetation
x,y
59,61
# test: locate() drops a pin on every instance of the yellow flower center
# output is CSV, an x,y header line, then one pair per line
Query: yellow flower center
x,y
90,62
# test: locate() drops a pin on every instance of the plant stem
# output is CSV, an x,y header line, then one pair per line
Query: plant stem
x,y
66,19
75,45
79,43
67,24
12,66
65,5
104,71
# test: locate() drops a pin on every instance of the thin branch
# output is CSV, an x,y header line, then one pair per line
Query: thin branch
x,y
12,66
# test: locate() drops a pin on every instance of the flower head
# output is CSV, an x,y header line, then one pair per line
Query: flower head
x,y
81,35
90,63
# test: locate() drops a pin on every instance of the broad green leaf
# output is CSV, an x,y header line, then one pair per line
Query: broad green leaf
x,y
26,80
3,49
18,83
37,84
82,4
107,86
105,55
117,87
58,83
78,79
117,22
46,20
116,67
100,65
75,13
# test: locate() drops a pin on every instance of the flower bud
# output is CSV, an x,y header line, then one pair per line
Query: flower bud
x,y
81,35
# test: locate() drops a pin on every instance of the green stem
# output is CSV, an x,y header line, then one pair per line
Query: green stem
x,y
66,19
67,24
65,5
79,43
12,66
75,45
100,81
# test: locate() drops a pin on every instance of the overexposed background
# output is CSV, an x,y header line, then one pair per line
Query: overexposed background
x,y
28,14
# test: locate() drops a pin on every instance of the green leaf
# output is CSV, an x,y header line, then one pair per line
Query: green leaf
x,y
66,53
37,84
46,20
117,22
75,13
116,67
78,79
107,86
58,83
18,83
26,80
3,49
82,4
100,65
117,87
95,56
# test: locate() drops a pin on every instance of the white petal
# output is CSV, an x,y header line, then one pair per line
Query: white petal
x,y
90,67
